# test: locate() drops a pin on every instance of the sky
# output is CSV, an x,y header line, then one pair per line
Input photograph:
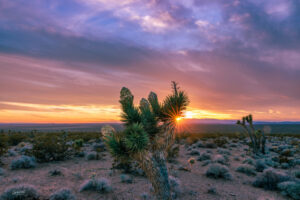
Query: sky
x,y
65,61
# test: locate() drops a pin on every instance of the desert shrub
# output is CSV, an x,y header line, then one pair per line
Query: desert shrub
x,y
223,151
92,156
63,194
78,144
246,169
296,162
11,152
212,190
204,156
2,171
285,165
218,171
199,144
210,145
194,153
290,188
15,138
270,178
101,185
206,162
297,174
287,152
23,162
233,145
55,172
145,196
126,178
271,163
49,147
220,141
99,147
249,161
220,159
236,158
260,166
3,144
22,192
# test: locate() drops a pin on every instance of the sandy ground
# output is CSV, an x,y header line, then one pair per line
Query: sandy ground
x,y
195,184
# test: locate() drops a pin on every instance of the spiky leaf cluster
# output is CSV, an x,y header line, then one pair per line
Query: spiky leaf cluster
x,y
136,139
144,122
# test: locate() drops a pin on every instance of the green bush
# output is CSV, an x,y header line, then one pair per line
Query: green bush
x,y
49,147
78,144
15,138
3,144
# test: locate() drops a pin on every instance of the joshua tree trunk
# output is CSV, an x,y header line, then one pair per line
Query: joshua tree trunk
x,y
154,165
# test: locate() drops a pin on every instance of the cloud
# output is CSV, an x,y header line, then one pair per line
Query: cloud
x,y
228,55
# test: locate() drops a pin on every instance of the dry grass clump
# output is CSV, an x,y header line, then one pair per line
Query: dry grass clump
x,y
260,166
21,192
290,188
218,171
270,179
101,185
204,156
246,169
23,162
126,178
63,194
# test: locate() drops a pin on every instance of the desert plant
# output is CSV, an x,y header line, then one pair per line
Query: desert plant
x,y
257,137
16,138
101,185
24,162
126,178
149,131
204,156
27,192
270,178
3,145
290,188
297,174
246,169
63,194
260,166
49,147
55,172
78,144
92,156
218,171
2,172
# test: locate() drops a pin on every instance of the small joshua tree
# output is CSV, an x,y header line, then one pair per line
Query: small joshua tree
x,y
257,137
149,131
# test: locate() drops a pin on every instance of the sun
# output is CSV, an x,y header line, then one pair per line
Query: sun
x,y
178,119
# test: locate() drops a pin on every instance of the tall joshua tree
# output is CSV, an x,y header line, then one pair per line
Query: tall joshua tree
x,y
149,131
257,137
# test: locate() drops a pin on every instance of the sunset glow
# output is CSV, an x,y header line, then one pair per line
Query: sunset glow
x,y
66,61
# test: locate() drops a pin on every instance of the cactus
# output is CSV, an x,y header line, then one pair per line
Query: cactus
x,y
257,137
149,131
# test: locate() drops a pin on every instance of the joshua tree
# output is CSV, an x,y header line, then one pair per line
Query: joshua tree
x,y
257,137
149,131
